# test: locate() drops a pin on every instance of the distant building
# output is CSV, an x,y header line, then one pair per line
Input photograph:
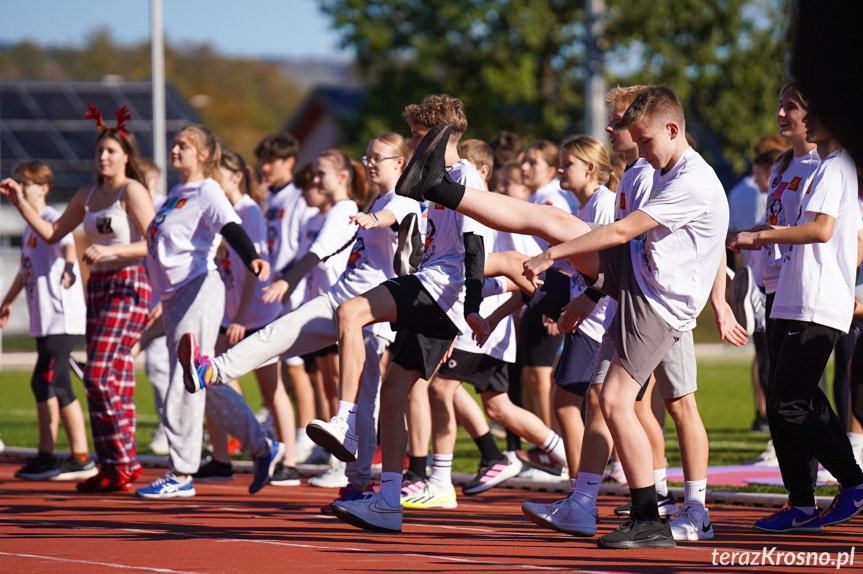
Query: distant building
x,y
316,124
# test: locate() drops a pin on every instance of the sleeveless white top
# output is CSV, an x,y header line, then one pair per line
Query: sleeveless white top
x,y
111,226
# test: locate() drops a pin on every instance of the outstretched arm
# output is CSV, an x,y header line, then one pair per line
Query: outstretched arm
x,y
818,231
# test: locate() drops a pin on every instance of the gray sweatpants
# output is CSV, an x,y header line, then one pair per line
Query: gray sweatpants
x,y
309,328
190,310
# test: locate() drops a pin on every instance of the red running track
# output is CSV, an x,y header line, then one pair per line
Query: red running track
x,y
48,527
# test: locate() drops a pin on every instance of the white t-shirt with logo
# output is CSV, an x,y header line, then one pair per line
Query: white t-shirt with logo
x,y
287,215
183,237
817,279
552,194
598,209
370,260
677,263
54,310
441,270
634,189
333,242
783,207
233,271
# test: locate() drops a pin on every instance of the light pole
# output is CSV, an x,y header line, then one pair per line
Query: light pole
x,y
157,55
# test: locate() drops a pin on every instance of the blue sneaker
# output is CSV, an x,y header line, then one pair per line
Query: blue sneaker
x,y
790,519
847,504
265,465
349,492
168,486
197,370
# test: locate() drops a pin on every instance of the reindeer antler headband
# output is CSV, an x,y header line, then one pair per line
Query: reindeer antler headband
x,y
122,116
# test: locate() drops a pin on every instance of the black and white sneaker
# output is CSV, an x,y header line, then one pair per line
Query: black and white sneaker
x,y
427,167
747,300
409,251
39,468
638,534
214,471
74,469
285,476
76,367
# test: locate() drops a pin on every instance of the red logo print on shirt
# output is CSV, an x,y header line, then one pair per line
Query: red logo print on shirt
x,y
795,183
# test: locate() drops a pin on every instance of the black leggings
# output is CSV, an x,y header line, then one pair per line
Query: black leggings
x,y
857,381
51,375
841,373
805,429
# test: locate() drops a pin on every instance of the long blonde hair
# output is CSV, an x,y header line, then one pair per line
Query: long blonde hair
x,y
785,159
589,150
206,142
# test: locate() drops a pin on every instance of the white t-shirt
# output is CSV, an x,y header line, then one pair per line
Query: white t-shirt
x,y
287,215
233,271
598,209
370,260
746,205
677,263
817,279
441,270
183,237
53,309
335,233
783,207
634,189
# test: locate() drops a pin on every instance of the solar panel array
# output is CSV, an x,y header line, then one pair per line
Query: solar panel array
x,y
45,121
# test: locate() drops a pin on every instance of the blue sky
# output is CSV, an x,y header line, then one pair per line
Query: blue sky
x,y
268,28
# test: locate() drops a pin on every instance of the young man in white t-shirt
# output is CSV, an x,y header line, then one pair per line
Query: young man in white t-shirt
x,y
813,306
664,281
286,215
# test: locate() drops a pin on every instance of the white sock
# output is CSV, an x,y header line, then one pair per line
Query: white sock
x,y
441,473
856,440
348,411
807,509
616,467
391,488
586,489
695,491
553,446
572,484
302,438
660,481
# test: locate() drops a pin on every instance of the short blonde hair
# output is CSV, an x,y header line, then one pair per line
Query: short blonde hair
x,y
619,97
651,104
477,152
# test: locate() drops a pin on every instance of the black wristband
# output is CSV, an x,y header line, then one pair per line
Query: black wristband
x,y
70,268
593,294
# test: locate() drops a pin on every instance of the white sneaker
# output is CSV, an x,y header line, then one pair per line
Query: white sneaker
x,y
370,512
540,514
529,473
431,496
159,444
573,518
333,478
766,458
335,436
692,523
2,445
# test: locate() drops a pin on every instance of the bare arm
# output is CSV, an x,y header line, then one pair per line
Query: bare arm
x,y
49,232
382,218
729,329
818,231
11,294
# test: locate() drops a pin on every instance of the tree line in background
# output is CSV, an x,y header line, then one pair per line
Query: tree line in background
x,y
246,99
519,64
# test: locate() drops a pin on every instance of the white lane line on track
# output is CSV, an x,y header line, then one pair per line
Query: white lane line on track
x,y
339,547
95,563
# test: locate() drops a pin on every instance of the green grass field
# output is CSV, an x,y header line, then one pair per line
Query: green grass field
x,y
724,399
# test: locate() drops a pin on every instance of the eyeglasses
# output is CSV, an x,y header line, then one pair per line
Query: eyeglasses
x,y
367,161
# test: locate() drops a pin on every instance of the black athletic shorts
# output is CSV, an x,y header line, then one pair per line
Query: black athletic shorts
x,y
483,372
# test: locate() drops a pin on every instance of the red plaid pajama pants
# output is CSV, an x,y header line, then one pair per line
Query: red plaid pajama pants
x,y
118,303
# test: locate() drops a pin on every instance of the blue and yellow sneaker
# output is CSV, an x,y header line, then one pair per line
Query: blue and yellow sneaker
x,y
791,519
847,504
349,492
197,370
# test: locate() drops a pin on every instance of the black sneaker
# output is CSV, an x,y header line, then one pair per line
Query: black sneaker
x,y
664,504
760,424
285,476
39,468
426,168
214,470
74,469
638,534
409,251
